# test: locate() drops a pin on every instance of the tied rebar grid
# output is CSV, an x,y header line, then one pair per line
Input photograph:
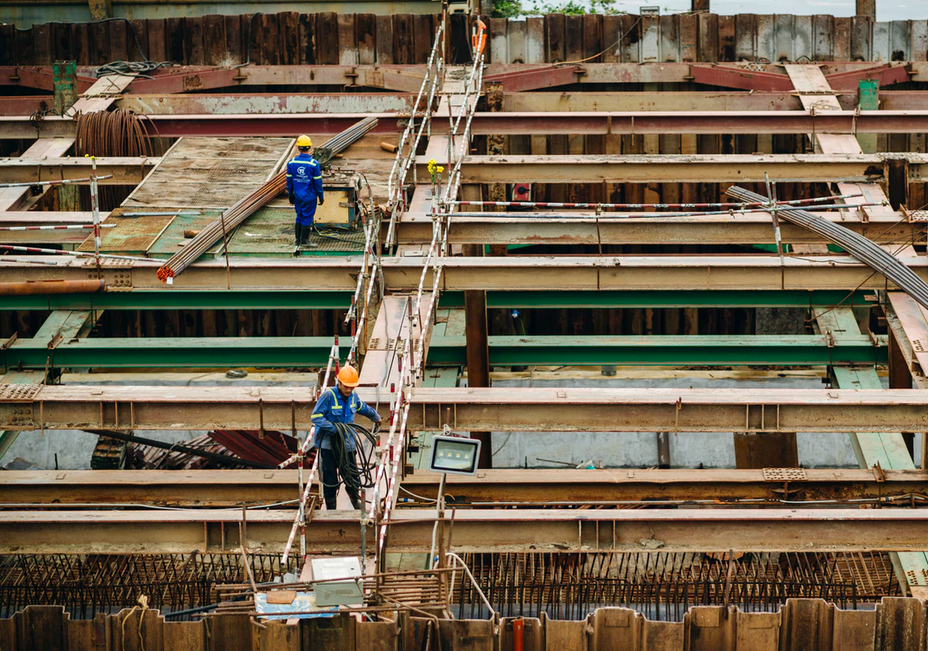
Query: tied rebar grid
x,y
86,585
663,586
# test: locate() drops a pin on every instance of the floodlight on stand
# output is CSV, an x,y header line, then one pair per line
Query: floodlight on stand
x,y
454,455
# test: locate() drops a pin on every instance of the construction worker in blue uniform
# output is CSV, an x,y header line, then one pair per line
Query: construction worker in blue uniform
x,y
304,187
339,405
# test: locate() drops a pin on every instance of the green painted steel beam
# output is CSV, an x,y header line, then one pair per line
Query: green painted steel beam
x,y
165,352
665,350
182,300
670,299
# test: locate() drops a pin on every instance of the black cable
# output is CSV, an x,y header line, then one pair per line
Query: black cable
x,y
355,462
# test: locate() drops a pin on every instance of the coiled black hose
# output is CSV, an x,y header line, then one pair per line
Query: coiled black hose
x,y
361,458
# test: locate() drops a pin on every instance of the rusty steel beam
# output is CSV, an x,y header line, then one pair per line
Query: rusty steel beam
x,y
543,486
515,273
265,103
645,228
31,407
510,530
231,488
695,122
513,123
690,168
123,171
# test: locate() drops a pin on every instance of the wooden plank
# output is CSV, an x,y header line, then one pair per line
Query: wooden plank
x,y
157,50
365,35
384,40
289,36
347,49
556,41
196,54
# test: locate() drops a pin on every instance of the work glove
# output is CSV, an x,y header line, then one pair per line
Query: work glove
x,y
321,201
290,196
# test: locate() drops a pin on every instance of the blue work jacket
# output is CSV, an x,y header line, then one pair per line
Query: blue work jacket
x,y
304,182
333,407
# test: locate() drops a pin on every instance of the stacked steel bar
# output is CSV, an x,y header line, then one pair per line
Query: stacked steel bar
x,y
246,207
231,218
856,245
342,141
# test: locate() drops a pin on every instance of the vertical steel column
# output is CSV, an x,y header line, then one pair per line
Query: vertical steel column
x,y
868,99
900,378
478,352
775,450
898,178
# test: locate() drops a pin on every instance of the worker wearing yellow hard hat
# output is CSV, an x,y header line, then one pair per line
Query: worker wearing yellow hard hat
x,y
336,406
304,188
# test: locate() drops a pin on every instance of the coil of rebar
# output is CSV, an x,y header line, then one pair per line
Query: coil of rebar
x,y
858,246
114,133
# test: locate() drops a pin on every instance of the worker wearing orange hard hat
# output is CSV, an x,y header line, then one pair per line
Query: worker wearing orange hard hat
x,y
304,188
339,405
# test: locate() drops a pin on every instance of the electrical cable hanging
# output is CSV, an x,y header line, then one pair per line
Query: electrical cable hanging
x,y
858,246
355,474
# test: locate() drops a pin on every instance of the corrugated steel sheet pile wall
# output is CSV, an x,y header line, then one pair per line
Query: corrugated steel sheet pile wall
x,y
802,625
330,38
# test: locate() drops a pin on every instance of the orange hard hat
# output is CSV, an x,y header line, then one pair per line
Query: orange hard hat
x,y
348,376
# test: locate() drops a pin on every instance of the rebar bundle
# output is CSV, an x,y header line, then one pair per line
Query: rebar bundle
x,y
856,245
216,230
343,141
246,207
115,133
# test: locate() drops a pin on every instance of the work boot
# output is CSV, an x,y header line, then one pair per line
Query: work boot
x,y
356,504
331,504
304,240
297,235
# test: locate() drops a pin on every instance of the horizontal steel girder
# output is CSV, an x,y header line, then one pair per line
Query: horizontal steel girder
x,y
124,171
170,352
679,168
322,300
670,299
664,350
520,77
513,123
287,102
29,407
192,300
301,352
748,229
544,486
230,488
747,530
511,273
693,122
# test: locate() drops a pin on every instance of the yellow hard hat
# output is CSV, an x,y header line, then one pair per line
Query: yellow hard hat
x,y
348,376
304,141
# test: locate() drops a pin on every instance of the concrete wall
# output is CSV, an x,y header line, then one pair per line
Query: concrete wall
x,y
637,450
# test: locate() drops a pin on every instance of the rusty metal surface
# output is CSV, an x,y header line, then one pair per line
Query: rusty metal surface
x,y
410,530
481,409
512,273
488,489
